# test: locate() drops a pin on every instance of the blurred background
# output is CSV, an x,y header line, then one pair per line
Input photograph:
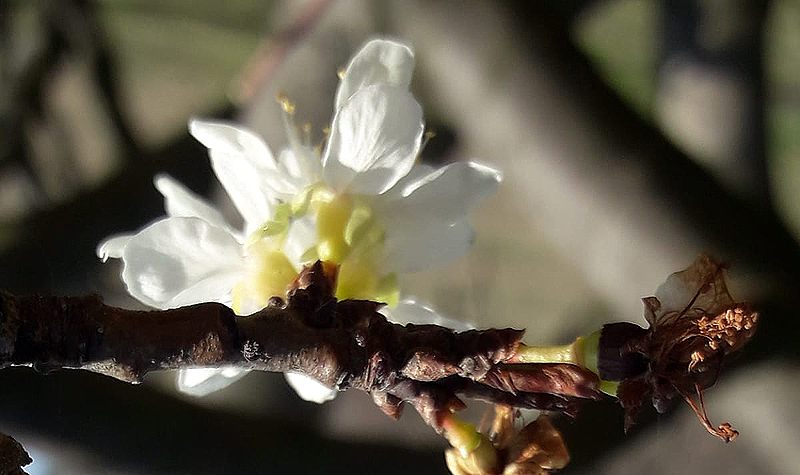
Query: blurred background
x,y
633,135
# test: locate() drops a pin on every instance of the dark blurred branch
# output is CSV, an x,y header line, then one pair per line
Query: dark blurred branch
x,y
275,48
612,193
659,181
54,249
588,171
76,24
127,200
711,90
71,30
24,92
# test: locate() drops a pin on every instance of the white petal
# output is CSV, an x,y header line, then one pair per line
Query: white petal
x,y
414,248
203,381
181,261
309,389
378,62
409,310
701,287
300,166
301,236
243,184
375,138
417,172
244,165
231,139
445,195
181,202
113,246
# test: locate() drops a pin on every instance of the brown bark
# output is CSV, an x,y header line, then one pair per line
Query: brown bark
x,y
345,344
12,456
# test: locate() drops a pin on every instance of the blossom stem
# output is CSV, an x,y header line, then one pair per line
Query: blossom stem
x,y
581,352
547,354
474,448
461,434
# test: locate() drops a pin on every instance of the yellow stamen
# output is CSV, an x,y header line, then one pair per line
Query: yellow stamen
x,y
287,105
332,218
359,224
270,274
429,134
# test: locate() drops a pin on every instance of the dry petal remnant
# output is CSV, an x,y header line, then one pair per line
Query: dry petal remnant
x,y
535,449
694,324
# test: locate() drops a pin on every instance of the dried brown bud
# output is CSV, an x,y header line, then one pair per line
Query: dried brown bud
x,y
535,449
538,443
312,293
552,378
694,324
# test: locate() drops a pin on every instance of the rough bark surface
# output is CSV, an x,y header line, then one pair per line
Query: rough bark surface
x,y
343,344
12,456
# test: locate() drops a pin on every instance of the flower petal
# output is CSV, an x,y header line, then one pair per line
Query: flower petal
x,y
700,287
417,172
244,165
375,138
445,195
181,261
301,237
230,139
300,166
414,248
200,382
309,389
113,246
410,310
181,202
378,62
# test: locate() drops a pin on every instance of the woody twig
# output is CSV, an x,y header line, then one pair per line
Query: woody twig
x,y
343,344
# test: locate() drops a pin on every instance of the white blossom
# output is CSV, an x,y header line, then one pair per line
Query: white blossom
x,y
362,202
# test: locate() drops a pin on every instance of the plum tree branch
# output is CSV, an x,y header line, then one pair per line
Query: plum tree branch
x,y
12,456
343,344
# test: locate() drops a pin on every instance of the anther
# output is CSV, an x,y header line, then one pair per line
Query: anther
x,y
287,105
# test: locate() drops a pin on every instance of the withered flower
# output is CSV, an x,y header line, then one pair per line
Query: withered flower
x,y
694,324
535,449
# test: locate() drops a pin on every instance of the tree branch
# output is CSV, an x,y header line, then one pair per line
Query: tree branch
x,y
12,456
274,49
345,344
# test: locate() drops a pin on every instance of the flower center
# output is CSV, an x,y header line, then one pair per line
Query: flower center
x,y
347,234
269,274
351,236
